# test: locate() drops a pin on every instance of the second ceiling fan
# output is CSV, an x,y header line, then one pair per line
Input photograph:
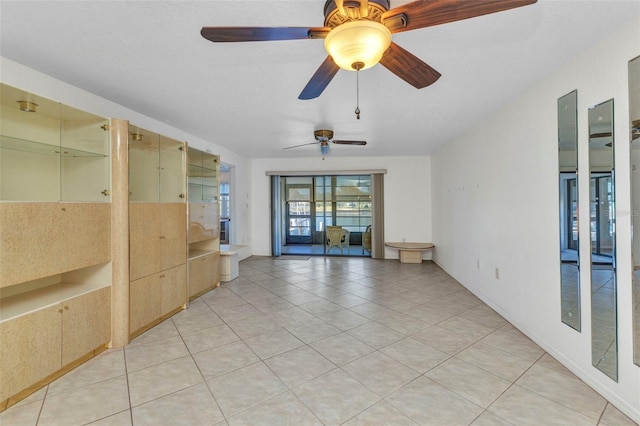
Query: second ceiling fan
x,y
324,138
358,34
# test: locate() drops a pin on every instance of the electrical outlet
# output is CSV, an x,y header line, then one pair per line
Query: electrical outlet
x,y
497,274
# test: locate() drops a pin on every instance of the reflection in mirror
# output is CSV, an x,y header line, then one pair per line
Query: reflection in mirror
x,y
604,348
634,116
568,185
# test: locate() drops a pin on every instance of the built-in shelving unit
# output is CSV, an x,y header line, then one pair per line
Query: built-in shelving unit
x,y
204,222
55,256
99,242
158,228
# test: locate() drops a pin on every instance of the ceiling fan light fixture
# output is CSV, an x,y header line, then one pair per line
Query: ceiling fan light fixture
x,y
324,147
358,42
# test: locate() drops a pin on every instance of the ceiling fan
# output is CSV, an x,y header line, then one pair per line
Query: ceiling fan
x,y
358,33
324,138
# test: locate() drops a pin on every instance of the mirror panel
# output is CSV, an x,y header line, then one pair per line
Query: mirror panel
x,y
604,348
568,187
634,118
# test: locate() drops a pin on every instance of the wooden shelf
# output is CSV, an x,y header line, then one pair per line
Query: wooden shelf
x,y
193,254
31,301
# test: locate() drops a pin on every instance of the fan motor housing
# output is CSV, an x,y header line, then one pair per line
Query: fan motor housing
x,y
323,134
333,17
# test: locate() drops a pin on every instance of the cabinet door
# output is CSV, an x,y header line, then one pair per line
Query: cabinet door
x,y
84,164
28,228
194,175
144,243
174,288
212,271
85,232
57,237
86,324
172,172
144,164
197,269
145,302
29,350
173,241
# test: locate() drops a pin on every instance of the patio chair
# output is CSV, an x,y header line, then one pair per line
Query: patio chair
x,y
337,237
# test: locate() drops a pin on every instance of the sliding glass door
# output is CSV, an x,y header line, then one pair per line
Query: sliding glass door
x,y
314,202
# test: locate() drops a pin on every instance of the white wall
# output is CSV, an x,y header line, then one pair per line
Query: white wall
x,y
495,205
25,78
407,196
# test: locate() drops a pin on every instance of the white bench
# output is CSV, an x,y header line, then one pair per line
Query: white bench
x,y
229,258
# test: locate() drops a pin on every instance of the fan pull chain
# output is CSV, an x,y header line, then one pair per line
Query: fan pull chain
x,y
357,66
357,111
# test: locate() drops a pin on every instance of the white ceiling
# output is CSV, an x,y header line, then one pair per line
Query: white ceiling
x,y
150,57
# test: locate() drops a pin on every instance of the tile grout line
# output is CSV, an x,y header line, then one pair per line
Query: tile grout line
x,y
513,383
126,373
46,393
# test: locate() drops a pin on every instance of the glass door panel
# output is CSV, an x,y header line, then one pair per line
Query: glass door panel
x,y
209,178
299,222
144,158
84,156
300,215
194,175
171,171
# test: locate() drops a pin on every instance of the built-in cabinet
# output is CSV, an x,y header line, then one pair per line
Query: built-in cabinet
x,y
157,228
204,222
51,152
55,228
204,272
100,241
40,344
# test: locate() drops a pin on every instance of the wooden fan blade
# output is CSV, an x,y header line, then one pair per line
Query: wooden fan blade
x,y
427,13
304,144
409,67
339,142
320,79
235,34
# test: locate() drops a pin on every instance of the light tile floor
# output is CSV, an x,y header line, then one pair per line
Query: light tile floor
x,y
324,341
